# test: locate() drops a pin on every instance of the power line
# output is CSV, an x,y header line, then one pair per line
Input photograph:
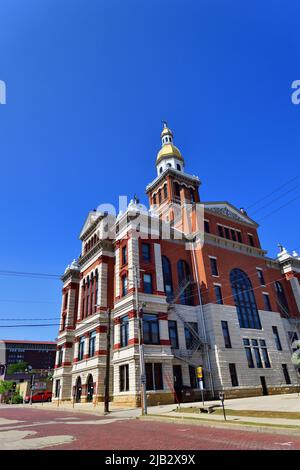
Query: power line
x,y
276,199
29,274
30,301
276,210
270,194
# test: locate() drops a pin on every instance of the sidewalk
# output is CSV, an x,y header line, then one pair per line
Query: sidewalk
x,y
287,403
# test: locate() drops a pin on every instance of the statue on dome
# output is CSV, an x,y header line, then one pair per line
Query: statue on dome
x,y
136,199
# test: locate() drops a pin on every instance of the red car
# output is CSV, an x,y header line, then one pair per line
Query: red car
x,y
39,397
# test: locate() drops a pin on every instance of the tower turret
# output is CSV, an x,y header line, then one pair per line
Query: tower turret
x,y
169,156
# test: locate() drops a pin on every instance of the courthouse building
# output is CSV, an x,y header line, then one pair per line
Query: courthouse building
x,y
206,291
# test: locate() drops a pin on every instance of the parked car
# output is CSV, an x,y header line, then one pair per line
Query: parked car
x,y
39,397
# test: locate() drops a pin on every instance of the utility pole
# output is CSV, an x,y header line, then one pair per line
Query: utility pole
x,y
108,347
139,312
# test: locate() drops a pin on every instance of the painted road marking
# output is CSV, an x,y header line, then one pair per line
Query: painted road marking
x,y
284,443
15,440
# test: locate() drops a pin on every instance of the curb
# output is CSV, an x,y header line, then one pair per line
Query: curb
x,y
271,429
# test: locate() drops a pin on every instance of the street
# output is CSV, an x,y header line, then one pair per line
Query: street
x,y
30,428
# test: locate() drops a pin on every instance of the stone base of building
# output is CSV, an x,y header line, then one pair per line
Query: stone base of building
x,y
153,399
257,391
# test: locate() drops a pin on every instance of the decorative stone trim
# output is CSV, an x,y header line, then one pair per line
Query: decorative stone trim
x,y
100,352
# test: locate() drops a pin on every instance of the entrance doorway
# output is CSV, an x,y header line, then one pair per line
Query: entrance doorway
x,y
177,373
78,390
90,388
264,385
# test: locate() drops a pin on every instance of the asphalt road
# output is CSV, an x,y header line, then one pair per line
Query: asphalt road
x,y
28,428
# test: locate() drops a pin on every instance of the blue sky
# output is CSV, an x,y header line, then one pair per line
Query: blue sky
x,y
88,83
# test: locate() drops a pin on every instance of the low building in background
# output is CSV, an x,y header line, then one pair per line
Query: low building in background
x,y
40,355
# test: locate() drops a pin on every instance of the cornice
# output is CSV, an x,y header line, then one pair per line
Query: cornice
x,y
172,172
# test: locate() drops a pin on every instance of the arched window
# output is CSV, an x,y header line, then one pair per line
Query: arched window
x,y
281,298
244,300
87,296
91,295
159,196
165,191
178,167
167,274
169,165
192,195
161,169
183,273
176,189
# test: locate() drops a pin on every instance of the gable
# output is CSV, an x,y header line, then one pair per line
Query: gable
x,y
226,209
89,221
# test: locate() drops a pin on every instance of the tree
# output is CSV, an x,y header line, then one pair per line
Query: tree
x,y
5,386
17,367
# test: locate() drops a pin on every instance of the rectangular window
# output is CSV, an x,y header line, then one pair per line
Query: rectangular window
x,y
190,337
277,339
220,230
214,267
158,377
60,357
81,348
239,236
146,252
286,374
124,285
233,375
233,234
150,329
265,354
124,331
148,289
124,254
173,333
292,337
92,344
251,239
206,226
248,353
154,377
124,378
261,277
149,376
257,353
218,294
227,233
57,388
66,300
193,377
226,334
267,302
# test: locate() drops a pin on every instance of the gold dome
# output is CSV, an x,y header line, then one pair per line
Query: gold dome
x,y
166,131
169,150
